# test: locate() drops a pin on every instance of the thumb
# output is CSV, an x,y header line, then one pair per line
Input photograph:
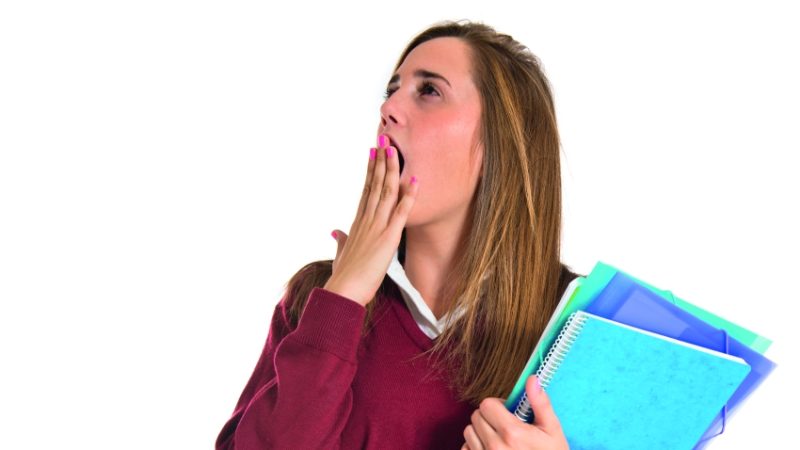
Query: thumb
x,y
341,239
543,415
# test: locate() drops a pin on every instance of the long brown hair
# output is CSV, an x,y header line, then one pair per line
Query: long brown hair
x,y
509,275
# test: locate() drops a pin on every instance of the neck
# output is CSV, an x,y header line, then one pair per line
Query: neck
x,y
430,257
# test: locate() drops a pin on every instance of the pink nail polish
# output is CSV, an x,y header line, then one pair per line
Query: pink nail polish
x,y
372,153
333,233
389,152
382,141
413,180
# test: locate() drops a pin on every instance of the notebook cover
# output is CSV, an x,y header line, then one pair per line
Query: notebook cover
x,y
625,300
618,387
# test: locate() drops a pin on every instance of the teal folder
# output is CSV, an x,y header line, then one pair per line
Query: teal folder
x,y
618,387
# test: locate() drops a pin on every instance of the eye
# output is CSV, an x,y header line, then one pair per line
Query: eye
x,y
427,88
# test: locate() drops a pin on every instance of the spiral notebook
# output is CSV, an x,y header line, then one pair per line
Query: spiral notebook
x,y
619,387
626,301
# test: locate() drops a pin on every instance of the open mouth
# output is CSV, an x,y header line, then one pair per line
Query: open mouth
x,y
402,161
399,154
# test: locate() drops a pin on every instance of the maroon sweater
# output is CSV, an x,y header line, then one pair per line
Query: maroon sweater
x,y
327,385
324,385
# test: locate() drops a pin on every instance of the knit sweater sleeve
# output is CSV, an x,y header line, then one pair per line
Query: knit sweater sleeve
x,y
299,395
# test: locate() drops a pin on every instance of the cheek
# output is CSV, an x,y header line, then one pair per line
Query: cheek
x,y
448,162
451,172
452,139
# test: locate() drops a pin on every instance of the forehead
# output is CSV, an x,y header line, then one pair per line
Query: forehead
x,y
448,56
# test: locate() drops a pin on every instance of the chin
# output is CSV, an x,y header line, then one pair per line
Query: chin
x,y
414,218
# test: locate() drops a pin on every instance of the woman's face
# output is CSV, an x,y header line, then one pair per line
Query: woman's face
x,y
432,116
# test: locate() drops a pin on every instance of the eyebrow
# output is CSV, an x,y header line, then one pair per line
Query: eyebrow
x,y
421,73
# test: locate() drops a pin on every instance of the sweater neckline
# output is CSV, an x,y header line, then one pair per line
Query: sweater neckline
x,y
407,321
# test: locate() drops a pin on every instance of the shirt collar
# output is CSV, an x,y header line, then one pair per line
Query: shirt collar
x,y
420,310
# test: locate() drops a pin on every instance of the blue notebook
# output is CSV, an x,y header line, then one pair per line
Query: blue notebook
x,y
614,386
626,301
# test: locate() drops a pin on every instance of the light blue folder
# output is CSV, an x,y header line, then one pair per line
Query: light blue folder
x,y
618,387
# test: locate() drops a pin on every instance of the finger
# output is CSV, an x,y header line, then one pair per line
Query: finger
x,y
376,184
472,439
362,205
498,418
543,415
391,186
398,219
485,432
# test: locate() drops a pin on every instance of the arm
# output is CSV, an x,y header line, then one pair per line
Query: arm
x,y
299,394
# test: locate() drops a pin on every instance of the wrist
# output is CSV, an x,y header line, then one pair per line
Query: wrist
x,y
339,288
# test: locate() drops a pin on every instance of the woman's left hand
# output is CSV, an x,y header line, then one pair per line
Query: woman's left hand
x,y
494,427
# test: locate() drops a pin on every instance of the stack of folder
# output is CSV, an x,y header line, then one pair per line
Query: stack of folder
x,y
628,366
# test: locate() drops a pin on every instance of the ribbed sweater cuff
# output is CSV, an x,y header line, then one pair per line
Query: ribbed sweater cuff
x,y
331,323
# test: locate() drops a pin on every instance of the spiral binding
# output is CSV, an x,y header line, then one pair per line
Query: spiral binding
x,y
569,333
524,412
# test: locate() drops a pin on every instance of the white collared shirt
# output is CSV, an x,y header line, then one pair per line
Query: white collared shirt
x,y
420,310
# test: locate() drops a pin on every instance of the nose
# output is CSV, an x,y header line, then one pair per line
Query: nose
x,y
391,112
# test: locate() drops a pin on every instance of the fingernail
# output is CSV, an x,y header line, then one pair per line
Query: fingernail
x,y
413,180
372,153
333,233
382,141
389,152
538,385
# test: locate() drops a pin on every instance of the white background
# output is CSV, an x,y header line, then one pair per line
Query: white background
x,y
166,166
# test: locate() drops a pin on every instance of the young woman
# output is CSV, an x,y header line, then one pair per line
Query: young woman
x,y
449,274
